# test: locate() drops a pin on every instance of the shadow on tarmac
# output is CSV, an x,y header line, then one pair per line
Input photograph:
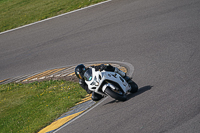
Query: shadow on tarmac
x,y
140,91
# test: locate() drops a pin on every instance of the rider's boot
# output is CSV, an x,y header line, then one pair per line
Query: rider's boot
x,y
96,96
123,74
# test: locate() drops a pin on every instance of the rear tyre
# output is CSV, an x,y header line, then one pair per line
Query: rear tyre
x,y
116,95
134,87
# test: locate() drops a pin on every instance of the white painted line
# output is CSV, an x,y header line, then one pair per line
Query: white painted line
x,y
80,115
55,17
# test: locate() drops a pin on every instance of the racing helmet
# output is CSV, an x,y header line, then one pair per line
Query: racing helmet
x,y
80,70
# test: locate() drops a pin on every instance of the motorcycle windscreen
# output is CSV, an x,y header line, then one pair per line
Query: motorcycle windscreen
x,y
88,75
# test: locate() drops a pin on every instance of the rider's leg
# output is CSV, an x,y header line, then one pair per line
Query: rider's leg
x,y
123,74
115,69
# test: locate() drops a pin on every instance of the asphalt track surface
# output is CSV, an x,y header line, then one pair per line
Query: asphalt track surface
x,y
160,38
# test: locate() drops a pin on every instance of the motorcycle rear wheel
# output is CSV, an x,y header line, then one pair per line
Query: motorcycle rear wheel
x,y
115,95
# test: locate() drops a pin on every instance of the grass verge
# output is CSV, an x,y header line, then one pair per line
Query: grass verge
x,y
15,13
30,107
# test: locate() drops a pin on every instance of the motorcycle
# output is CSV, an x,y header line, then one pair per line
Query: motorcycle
x,y
109,83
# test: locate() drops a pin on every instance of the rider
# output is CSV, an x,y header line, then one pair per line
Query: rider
x,y
80,70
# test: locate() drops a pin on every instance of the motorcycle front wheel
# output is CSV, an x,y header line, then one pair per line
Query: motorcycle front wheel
x,y
115,94
134,87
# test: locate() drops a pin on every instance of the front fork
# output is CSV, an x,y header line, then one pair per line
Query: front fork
x,y
116,89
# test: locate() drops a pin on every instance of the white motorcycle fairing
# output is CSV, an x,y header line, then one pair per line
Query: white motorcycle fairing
x,y
99,81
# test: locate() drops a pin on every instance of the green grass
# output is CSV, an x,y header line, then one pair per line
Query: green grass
x,y
15,13
30,107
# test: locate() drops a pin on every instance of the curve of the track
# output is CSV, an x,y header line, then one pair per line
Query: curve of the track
x,y
160,38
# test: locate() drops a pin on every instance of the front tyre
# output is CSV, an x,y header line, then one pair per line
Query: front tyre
x,y
134,87
115,95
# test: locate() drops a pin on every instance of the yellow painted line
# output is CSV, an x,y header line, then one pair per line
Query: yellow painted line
x,y
55,71
84,100
37,75
59,123
45,73
95,64
3,80
123,69
88,97
71,74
